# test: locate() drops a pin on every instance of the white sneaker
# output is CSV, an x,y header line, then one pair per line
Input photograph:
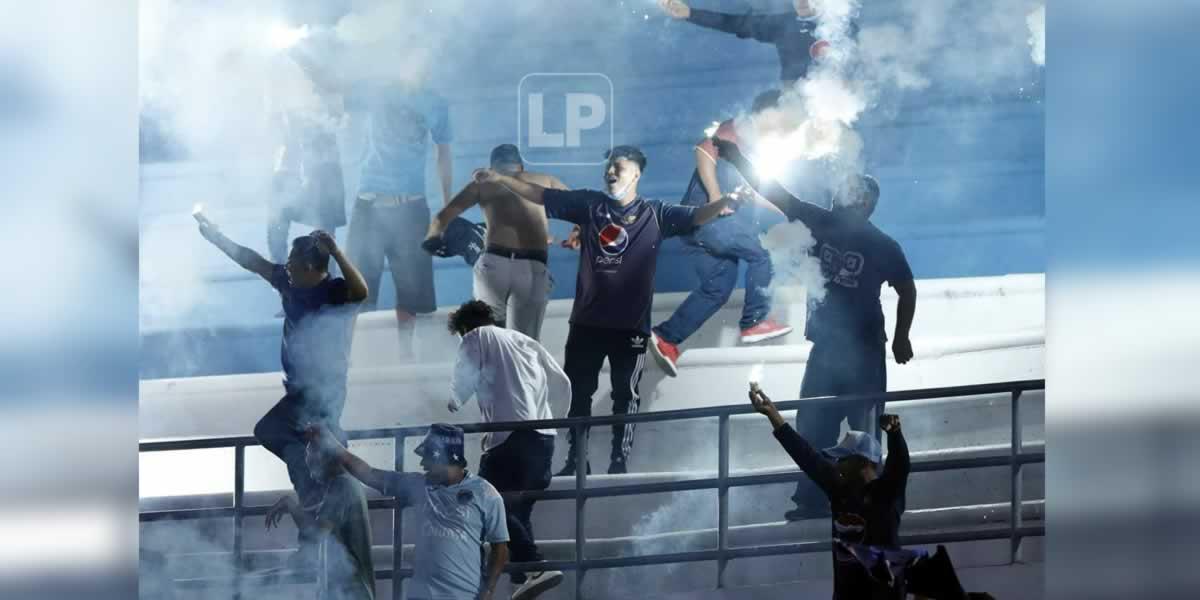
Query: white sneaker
x,y
537,583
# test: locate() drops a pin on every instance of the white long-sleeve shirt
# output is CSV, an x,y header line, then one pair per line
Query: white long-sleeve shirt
x,y
511,376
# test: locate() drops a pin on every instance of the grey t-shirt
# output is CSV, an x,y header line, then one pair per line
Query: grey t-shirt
x,y
346,569
455,521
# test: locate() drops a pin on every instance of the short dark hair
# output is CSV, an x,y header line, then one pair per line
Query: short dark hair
x,y
471,315
506,154
310,252
765,100
632,153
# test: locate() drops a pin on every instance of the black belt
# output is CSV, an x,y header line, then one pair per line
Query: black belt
x,y
538,255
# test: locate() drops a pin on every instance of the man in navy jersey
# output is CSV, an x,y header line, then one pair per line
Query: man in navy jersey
x,y
318,321
849,352
620,234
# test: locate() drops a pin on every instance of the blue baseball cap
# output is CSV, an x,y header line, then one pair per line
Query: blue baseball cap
x,y
443,445
856,443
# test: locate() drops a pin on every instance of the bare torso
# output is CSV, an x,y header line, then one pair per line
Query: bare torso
x,y
512,221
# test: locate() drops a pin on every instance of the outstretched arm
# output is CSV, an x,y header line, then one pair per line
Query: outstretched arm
x,y
529,191
764,28
899,465
355,466
818,469
713,210
795,208
243,256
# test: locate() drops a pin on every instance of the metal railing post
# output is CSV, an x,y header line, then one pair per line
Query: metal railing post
x,y
239,502
1015,521
581,467
722,497
398,526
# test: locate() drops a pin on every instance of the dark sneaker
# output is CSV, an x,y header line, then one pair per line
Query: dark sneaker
x,y
802,513
537,583
568,470
617,467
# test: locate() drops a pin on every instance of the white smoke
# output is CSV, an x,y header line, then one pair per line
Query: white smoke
x,y
1037,35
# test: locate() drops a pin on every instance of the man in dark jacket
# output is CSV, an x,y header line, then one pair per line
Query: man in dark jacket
x,y
864,495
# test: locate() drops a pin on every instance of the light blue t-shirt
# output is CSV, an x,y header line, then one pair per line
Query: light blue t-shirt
x,y
455,522
398,123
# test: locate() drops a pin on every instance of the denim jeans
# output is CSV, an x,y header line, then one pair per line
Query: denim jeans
x,y
835,368
715,249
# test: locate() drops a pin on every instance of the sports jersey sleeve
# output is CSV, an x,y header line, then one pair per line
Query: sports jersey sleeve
x,y
764,28
567,205
675,219
339,292
896,268
495,525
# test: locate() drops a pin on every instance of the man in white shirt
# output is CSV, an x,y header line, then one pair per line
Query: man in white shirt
x,y
514,379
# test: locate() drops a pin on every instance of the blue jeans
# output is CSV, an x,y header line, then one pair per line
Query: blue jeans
x,y
838,367
715,249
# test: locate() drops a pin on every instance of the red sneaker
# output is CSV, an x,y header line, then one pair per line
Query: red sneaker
x,y
665,354
765,330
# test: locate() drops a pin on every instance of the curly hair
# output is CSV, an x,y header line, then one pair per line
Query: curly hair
x,y
471,315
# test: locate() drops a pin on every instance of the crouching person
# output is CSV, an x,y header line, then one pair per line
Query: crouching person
x,y
459,513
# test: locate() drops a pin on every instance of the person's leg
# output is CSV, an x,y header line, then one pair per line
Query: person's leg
x,y
584,357
411,266
718,277
759,271
502,466
492,277
280,431
818,424
529,293
626,359
364,246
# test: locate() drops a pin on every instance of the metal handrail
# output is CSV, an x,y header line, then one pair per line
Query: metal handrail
x,y
1015,459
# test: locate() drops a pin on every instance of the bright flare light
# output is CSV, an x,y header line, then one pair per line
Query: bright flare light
x,y
756,373
197,209
282,37
712,130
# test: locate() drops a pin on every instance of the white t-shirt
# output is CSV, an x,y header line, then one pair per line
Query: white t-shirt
x,y
512,377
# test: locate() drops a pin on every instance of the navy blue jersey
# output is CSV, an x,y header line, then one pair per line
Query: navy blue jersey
x,y
795,38
316,331
618,254
856,259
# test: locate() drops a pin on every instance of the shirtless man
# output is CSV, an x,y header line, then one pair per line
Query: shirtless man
x,y
511,275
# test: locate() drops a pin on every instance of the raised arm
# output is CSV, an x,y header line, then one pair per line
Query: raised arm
x,y
243,256
764,28
355,466
795,208
356,284
818,469
899,465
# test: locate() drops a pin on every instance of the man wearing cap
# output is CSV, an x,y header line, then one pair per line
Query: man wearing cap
x,y
621,233
514,379
865,497
849,351
511,275
459,513
318,322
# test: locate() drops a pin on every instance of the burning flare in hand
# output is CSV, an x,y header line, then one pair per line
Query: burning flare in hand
x,y
282,37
